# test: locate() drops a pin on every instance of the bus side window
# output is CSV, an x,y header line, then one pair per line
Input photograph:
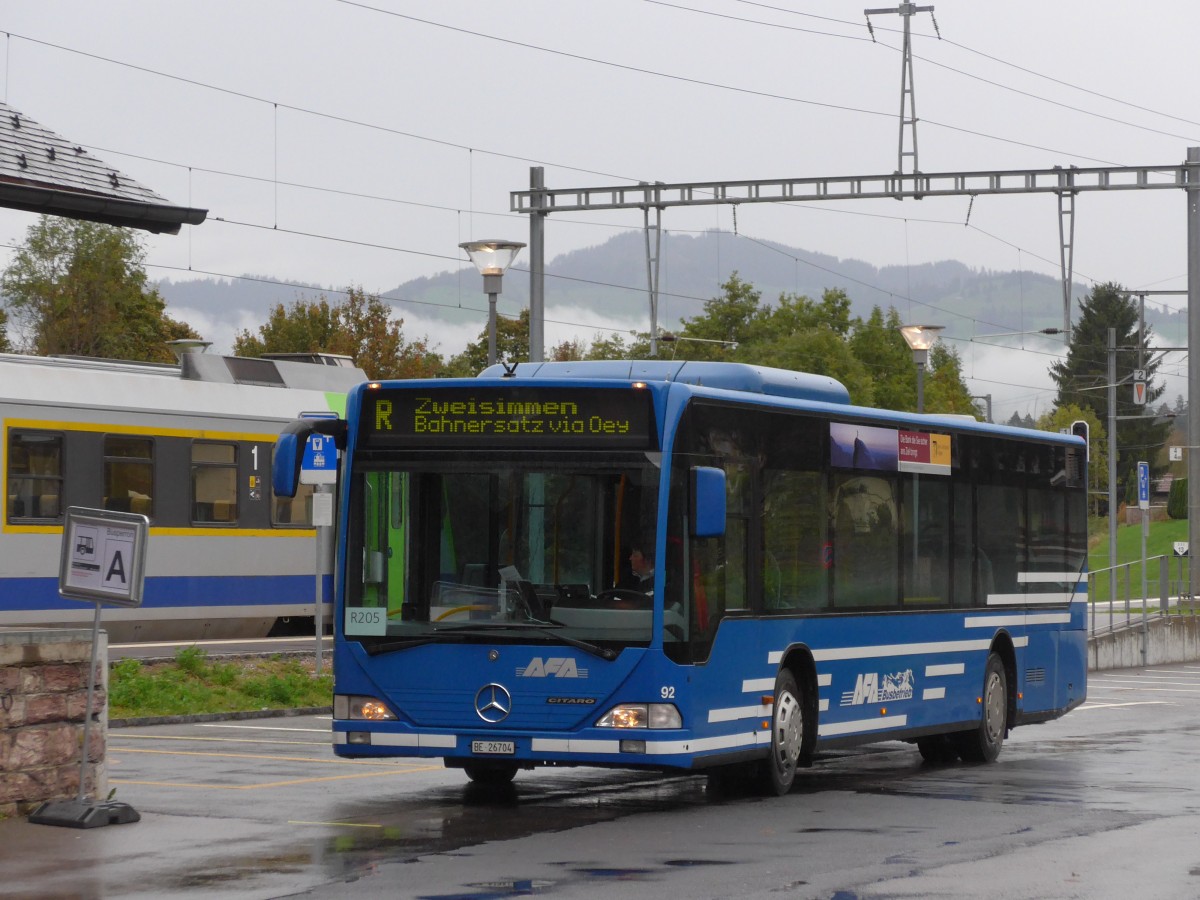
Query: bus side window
x,y
865,541
925,526
1002,533
794,541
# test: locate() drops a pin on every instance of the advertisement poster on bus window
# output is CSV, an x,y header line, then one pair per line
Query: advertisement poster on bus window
x,y
888,449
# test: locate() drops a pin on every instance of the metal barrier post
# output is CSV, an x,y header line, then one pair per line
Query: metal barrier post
x,y
1128,593
1164,587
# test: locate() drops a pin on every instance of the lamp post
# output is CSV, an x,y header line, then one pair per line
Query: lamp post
x,y
492,259
919,339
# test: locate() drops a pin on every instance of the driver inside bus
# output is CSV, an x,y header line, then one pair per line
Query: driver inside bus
x,y
641,563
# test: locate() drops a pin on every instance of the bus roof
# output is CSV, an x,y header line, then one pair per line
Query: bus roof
x,y
721,375
763,380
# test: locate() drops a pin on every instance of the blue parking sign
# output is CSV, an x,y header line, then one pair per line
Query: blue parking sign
x,y
319,465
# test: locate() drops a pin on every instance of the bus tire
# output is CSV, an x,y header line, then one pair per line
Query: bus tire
x,y
938,749
983,744
490,774
778,770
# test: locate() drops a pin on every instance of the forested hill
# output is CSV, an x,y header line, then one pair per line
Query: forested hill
x,y
611,278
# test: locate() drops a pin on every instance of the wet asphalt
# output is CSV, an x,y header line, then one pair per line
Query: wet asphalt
x,y
1102,803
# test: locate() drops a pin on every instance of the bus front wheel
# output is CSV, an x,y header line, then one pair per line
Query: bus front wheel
x,y
983,744
490,775
778,770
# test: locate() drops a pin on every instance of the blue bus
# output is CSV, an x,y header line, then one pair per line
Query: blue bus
x,y
692,566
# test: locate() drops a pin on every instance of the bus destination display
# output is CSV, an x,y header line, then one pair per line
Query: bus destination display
x,y
483,418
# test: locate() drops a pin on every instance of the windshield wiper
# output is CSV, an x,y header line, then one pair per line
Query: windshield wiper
x,y
545,629
452,634
455,633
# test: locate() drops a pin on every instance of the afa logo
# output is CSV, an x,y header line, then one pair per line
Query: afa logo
x,y
870,688
551,667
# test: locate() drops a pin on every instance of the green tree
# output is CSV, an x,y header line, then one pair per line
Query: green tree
x,y
1082,378
945,390
1177,499
79,288
821,351
5,347
879,346
512,345
361,327
1060,419
307,326
726,323
613,347
870,358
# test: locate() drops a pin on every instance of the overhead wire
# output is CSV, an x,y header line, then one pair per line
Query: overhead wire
x,y
996,59
387,129
931,62
712,84
469,149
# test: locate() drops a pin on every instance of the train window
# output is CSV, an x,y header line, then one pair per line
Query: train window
x,y
129,474
296,510
214,483
35,475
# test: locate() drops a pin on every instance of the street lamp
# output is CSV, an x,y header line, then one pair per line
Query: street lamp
x,y
919,339
492,259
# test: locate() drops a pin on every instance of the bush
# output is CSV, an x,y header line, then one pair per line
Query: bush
x,y
192,660
1177,500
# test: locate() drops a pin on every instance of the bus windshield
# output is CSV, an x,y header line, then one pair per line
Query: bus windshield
x,y
538,547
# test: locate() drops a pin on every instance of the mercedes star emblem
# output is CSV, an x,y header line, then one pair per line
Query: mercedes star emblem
x,y
493,703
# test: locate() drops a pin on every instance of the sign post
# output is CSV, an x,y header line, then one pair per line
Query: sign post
x,y
319,468
1143,477
103,560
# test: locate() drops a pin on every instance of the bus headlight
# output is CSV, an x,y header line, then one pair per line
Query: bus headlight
x,y
350,706
641,715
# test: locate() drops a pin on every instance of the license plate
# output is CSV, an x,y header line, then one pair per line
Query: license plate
x,y
494,748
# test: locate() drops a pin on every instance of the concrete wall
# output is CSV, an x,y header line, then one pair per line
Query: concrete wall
x,y
43,695
1168,640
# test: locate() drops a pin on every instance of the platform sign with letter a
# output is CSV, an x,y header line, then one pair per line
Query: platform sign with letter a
x,y
1143,478
103,556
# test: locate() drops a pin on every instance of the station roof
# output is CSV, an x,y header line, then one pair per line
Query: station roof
x,y
42,172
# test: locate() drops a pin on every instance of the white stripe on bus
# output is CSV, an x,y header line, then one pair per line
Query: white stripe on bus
x,y
751,685
568,745
889,650
945,669
880,724
1030,619
734,713
388,739
1030,599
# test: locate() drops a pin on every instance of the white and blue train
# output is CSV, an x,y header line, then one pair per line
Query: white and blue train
x,y
189,445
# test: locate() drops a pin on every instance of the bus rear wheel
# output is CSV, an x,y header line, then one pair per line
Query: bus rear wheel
x,y
778,770
490,774
983,744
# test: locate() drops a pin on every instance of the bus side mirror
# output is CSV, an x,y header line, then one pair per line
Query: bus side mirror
x,y
289,450
285,467
708,502
1079,428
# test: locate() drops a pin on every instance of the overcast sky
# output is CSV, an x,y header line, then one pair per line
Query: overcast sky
x,y
341,143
